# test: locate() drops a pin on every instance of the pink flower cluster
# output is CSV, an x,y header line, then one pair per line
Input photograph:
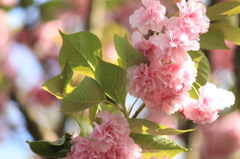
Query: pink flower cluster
x,y
163,88
150,17
164,83
174,36
211,101
109,140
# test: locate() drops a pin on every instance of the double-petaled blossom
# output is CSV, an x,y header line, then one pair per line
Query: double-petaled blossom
x,y
146,47
143,81
211,101
162,87
175,82
83,148
112,128
148,18
109,140
193,18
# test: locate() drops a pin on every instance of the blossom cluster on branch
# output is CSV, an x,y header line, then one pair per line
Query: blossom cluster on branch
x,y
109,140
164,84
163,66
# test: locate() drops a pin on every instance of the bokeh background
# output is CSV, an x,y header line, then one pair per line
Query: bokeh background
x,y
29,47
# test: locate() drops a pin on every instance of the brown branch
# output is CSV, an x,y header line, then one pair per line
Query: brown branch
x,y
139,110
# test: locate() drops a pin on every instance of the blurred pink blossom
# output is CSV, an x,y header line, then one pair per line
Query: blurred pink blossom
x,y
222,137
8,3
37,94
5,40
223,59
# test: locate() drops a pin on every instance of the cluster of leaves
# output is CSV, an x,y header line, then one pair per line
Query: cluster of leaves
x,y
103,85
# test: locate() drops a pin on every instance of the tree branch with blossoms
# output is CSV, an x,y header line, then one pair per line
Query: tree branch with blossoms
x,y
167,71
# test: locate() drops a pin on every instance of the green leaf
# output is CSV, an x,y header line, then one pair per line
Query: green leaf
x,y
212,41
56,149
203,72
109,107
128,56
113,81
194,93
87,94
157,145
143,126
224,9
81,51
58,84
229,32
203,67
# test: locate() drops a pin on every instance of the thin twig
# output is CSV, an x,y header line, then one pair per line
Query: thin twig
x,y
139,110
124,110
130,110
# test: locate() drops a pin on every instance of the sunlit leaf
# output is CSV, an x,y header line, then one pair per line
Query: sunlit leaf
x,y
224,9
81,50
157,145
203,72
143,126
203,67
87,94
194,92
58,84
229,32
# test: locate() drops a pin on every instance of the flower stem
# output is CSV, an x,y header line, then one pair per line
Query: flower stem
x,y
133,105
139,110
79,120
120,107
124,110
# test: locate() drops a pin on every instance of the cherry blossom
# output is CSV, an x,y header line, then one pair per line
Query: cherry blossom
x,y
148,18
162,87
193,18
211,101
109,140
